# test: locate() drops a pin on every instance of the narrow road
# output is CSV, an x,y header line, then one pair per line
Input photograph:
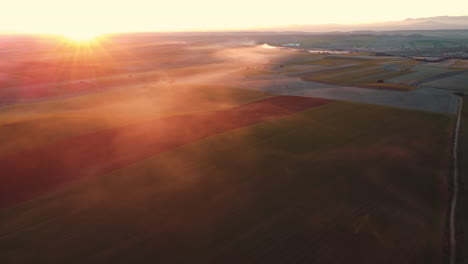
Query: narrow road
x,y
455,190
461,212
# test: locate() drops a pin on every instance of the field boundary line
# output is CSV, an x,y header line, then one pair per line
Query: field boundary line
x,y
453,240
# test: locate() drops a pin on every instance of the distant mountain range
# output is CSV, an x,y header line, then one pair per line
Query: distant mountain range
x,y
429,23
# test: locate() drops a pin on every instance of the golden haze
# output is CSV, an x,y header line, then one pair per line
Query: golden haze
x,y
85,18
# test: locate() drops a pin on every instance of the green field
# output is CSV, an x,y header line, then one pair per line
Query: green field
x,y
340,183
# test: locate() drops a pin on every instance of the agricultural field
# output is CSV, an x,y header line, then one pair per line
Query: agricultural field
x,y
289,188
457,82
374,72
148,150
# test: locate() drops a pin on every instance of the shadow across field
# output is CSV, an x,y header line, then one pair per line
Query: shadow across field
x,y
340,183
30,173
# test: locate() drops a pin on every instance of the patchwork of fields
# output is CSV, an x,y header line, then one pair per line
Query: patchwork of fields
x,y
388,73
170,161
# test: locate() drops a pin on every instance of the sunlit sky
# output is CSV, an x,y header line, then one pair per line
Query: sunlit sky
x,y
107,16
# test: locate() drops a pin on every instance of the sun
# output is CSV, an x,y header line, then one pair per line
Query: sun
x,y
81,37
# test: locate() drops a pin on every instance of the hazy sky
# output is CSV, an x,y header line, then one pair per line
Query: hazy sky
x,y
100,16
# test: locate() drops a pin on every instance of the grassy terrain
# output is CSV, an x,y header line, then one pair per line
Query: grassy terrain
x,y
341,183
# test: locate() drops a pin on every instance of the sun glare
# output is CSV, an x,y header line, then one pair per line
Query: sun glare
x,y
80,37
